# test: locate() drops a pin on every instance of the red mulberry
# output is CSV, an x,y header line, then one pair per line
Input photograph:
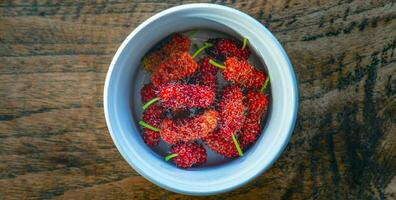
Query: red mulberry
x,y
257,103
152,116
242,73
220,145
177,67
206,67
147,92
232,111
250,130
172,44
186,155
189,129
207,79
225,48
181,96
178,43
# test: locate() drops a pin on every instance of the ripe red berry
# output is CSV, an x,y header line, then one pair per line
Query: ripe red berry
x,y
178,43
151,138
176,67
242,73
152,60
189,129
147,92
207,79
250,130
232,111
256,102
153,116
188,154
206,67
225,48
181,96
220,145
172,44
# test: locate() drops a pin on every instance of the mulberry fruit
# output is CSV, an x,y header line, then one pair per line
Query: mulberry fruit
x,y
189,129
186,155
250,130
181,96
152,116
232,111
225,48
242,73
220,145
147,92
206,67
177,67
172,44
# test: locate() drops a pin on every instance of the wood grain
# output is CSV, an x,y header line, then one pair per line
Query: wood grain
x,y
53,138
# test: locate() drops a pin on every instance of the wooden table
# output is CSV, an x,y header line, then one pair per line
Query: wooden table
x,y
54,142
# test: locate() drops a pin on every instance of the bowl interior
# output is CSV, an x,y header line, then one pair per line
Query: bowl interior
x,y
141,77
120,96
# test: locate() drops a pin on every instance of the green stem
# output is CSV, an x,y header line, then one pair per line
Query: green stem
x,y
216,64
198,51
145,125
150,102
245,40
240,153
170,156
265,84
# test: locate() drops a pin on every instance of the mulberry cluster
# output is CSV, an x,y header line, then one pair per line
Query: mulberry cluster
x,y
181,106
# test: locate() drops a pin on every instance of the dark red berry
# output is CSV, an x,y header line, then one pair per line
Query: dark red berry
x,y
250,130
220,145
225,48
206,67
188,154
207,79
147,92
153,116
151,138
189,129
257,103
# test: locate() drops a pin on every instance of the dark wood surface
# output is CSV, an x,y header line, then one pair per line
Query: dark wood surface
x,y
54,142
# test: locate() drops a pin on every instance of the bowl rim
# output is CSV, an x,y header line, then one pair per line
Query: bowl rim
x,y
294,97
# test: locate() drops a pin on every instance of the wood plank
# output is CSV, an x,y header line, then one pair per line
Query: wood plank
x,y
54,57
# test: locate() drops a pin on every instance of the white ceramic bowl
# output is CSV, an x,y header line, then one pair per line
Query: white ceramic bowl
x,y
121,120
